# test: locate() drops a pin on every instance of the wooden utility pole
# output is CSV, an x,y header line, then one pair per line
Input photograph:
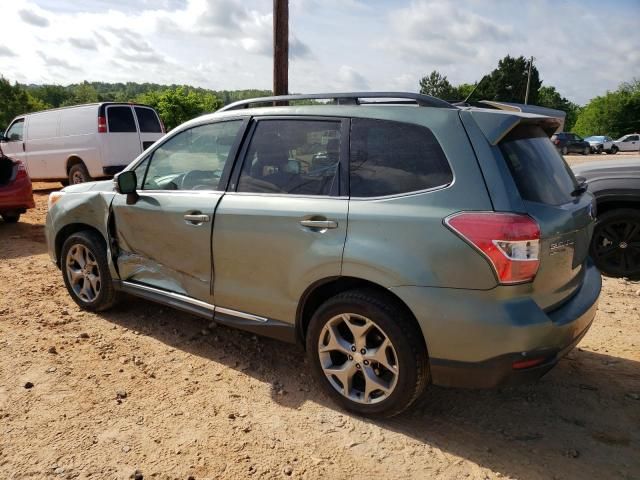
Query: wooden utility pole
x,y
280,47
526,95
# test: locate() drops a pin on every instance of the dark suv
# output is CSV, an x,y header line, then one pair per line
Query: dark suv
x,y
570,143
403,240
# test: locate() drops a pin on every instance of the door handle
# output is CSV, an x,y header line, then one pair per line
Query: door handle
x,y
194,218
319,224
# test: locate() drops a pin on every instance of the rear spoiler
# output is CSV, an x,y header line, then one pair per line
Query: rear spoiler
x,y
497,119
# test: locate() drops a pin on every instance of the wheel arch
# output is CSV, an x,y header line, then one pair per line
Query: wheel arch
x,y
616,202
73,160
321,290
68,230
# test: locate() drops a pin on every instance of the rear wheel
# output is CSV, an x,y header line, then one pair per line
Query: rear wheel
x,y
11,217
586,151
86,273
78,174
599,150
367,353
564,150
615,247
613,150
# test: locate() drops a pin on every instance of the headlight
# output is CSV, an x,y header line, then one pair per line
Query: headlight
x,y
53,198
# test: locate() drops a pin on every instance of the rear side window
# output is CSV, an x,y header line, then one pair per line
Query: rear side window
x,y
148,120
540,172
120,119
390,158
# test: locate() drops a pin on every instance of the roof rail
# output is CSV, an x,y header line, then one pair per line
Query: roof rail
x,y
349,98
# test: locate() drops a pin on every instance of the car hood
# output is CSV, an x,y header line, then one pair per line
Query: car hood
x,y
101,186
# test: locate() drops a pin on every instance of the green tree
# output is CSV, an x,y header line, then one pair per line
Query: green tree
x,y
550,98
615,113
179,104
437,85
16,100
82,93
508,82
53,95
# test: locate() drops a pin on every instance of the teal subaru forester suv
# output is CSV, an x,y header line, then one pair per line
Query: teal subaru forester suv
x,y
403,240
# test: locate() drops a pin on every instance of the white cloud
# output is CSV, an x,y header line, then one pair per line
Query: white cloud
x,y
334,44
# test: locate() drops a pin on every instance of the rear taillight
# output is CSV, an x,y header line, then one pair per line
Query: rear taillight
x,y
510,241
556,142
102,125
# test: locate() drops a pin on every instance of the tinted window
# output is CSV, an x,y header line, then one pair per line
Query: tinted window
x,y
14,133
148,120
389,158
298,157
539,171
120,119
632,138
193,159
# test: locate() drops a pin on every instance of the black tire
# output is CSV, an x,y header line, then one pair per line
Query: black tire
x,y
586,151
564,150
78,174
400,329
613,150
107,295
64,183
599,150
615,247
11,217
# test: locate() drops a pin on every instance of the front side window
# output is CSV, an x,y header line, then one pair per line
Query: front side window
x,y
193,159
390,158
148,120
121,120
296,157
14,134
632,138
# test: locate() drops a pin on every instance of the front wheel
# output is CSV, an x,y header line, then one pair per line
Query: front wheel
x,y
586,151
615,247
367,353
86,273
564,150
613,150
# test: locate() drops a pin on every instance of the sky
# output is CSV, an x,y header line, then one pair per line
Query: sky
x,y
582,47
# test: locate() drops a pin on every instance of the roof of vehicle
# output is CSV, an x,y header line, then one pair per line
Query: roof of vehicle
x,y
98,104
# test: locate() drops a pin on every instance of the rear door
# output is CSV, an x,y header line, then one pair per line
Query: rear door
x,y
549,191
149,125
283,224
122,144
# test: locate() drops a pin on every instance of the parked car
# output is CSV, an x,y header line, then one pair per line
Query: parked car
x,y
79,143
602,143
628,143
16,195
570,143
615,247
465,263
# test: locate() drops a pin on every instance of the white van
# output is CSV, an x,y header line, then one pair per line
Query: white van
x,y
77,144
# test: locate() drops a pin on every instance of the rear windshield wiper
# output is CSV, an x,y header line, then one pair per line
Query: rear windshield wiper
x,y
581,187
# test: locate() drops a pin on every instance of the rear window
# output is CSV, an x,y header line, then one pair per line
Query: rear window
x,y
390,158
120,119
148,120
540,172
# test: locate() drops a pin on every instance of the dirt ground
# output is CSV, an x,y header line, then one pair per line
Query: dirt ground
x,y
150,389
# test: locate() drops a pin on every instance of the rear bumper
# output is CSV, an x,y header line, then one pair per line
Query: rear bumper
x,y
111,170
474,337
17,196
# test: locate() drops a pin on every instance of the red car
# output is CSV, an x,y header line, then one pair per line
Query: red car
x,y
16,195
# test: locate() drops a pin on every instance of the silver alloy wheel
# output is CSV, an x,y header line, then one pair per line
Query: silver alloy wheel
x,y
83,273
77,177
358,358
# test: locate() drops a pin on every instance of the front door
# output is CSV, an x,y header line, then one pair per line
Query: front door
x,y
283,224
14,146
164,238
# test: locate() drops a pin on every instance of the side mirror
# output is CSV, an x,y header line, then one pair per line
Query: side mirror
x,y
126,183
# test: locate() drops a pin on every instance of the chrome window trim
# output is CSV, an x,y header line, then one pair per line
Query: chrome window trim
x,y
409,194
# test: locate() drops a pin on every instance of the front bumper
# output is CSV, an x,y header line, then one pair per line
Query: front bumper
x,y
474,337
17,196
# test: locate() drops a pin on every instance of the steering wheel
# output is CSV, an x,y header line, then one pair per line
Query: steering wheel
x,y
200,179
